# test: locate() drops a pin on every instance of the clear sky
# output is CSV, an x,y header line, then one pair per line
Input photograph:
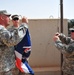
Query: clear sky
x,y
39,8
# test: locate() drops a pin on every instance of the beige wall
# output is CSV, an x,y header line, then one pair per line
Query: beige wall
x,y
44,52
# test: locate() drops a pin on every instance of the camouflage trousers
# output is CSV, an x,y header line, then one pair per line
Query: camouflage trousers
x,y
14,71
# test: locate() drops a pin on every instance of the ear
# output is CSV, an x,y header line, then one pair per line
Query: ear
x,y
2,17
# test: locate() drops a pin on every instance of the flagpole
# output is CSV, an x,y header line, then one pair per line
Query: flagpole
x,y
61,28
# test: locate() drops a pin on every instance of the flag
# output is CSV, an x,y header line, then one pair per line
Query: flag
x,y
23,48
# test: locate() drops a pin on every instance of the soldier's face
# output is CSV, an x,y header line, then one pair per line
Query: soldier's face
x,y
72,35
15,22
6,20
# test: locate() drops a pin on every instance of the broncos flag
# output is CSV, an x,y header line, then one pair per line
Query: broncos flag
x,y
23,49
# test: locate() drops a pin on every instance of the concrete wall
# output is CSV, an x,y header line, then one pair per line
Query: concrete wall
x,y
44,53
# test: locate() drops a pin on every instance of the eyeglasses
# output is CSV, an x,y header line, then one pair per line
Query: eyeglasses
x,y
15,19
72,30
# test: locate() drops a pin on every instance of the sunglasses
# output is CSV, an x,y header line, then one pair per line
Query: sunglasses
x,y
15,19
72,30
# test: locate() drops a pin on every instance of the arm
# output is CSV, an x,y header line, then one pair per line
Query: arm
x,y
24,26
9,38
25,22
17,34
64,44
59,45
64,39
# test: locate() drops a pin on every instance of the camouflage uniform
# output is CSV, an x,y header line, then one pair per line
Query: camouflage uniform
x,y
7,58
66,47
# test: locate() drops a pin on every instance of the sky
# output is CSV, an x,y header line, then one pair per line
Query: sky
x,y
38,9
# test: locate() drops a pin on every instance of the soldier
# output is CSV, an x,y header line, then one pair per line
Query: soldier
x,y
66,47
24,46
7,41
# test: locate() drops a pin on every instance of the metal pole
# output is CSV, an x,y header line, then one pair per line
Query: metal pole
x,y
61,27
61,15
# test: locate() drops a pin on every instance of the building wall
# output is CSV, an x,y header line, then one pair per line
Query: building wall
x,y
44,52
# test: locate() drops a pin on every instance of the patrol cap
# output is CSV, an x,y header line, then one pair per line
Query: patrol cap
x,y
71,29
4,12
15,17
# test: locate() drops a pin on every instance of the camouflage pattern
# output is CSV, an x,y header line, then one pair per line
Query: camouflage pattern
x,y
13,71
67,49
7,41
21,30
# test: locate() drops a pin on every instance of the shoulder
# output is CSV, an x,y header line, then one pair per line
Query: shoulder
x,y
2,27
12,28
24,25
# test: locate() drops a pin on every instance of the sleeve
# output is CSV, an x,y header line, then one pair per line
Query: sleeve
x,y
22,30
70,46
60,46
24,25
10,38
65,44
64,39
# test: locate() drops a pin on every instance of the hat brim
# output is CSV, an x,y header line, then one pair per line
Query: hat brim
x,y
7,14
15,17
71,29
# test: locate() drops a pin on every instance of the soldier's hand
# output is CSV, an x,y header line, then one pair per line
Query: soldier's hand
x,y
55,38
57,34
24,20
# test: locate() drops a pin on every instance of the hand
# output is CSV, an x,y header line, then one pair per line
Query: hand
x,y
56,37
24,20
57,34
